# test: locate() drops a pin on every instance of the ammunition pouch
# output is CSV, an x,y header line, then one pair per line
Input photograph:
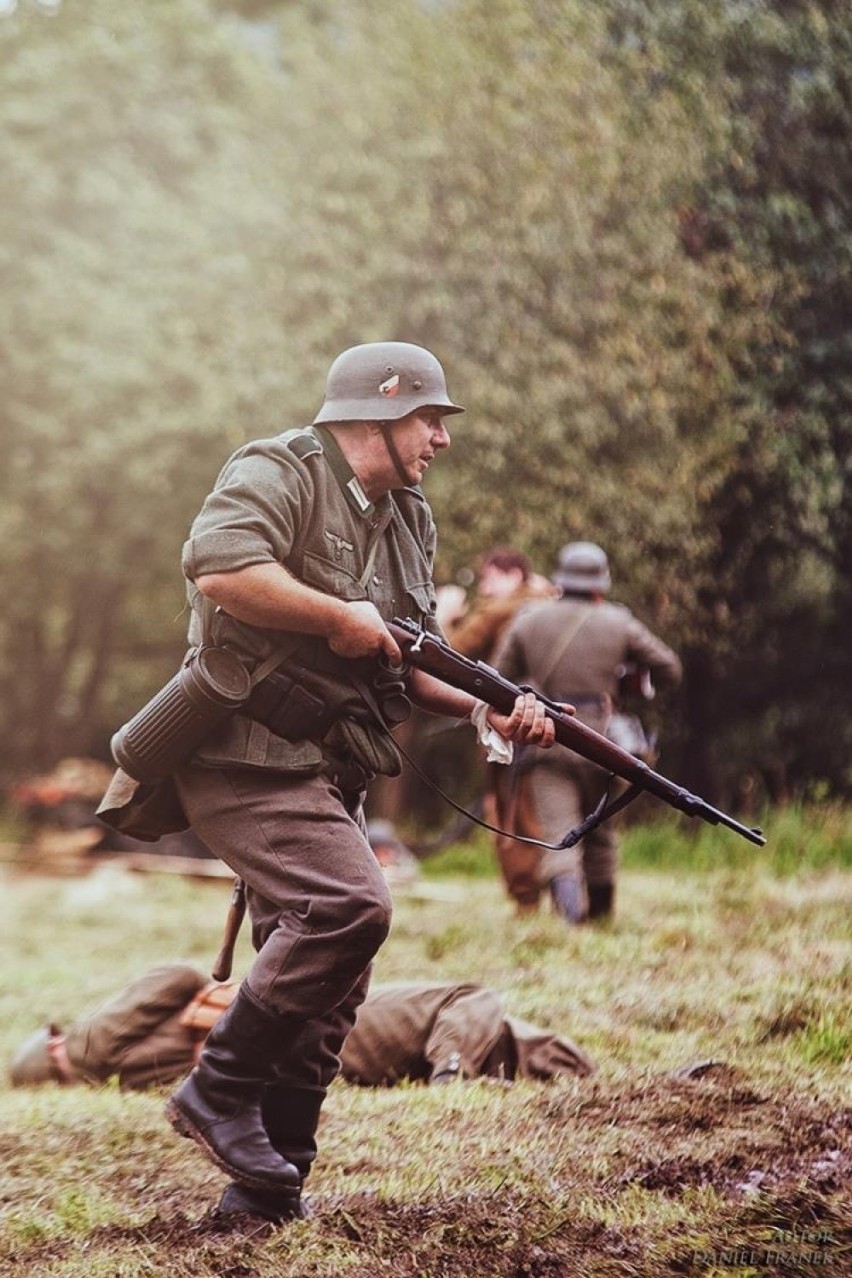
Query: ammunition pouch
x,y
371,748
289,709
391,693
317,706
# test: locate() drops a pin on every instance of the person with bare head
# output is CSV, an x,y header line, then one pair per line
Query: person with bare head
x,y
505,581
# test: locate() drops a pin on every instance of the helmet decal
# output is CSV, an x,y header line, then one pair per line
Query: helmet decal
x,y
391,386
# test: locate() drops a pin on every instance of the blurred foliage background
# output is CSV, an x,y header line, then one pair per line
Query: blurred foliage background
x,y
625,228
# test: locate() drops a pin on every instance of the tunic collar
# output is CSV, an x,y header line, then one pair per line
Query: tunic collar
x,y
348,481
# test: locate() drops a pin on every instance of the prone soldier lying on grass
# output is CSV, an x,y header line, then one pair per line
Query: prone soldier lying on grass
x,y
151,1031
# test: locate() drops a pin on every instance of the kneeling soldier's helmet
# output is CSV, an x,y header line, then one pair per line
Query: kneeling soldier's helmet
x,y
382,382
583,567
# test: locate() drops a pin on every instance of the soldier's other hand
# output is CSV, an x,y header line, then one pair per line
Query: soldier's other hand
x,y
527,724
360,632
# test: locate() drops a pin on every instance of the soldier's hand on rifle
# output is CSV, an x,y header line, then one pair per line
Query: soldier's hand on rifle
x,y
527,724
360,632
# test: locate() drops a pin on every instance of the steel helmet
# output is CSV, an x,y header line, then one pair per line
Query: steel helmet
x,y
584,567
382,382
32,1063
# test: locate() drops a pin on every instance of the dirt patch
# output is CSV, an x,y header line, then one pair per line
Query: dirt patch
x,y
761,1144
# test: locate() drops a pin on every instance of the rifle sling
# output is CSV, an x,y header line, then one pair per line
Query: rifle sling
x,y
604,810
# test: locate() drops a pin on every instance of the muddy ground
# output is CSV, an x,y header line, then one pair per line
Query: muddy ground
x,y
772,1176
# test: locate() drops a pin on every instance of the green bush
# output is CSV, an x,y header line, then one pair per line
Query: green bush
x,y
799,838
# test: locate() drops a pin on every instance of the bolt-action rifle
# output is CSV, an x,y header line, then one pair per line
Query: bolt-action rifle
x,y
427,652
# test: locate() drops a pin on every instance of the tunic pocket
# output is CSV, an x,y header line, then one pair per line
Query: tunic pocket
x,y
421,601
245,743
330,578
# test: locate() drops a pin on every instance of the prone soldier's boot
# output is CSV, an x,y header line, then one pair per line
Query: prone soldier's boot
x,y
290,1115
219,1104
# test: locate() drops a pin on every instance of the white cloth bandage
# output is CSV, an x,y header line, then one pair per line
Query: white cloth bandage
x,y
497,748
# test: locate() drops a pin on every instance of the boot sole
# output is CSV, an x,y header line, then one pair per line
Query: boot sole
x,y
184,1127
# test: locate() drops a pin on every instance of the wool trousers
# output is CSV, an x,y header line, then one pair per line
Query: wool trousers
x,y
316,896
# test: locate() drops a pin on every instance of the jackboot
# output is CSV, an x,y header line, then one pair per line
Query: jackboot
x,y
265,1204
219,1105
601,900
290,1115
568,892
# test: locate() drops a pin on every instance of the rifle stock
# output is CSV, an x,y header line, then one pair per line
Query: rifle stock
x,y
427,652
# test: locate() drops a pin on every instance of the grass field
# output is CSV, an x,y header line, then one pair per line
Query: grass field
x,y
724,958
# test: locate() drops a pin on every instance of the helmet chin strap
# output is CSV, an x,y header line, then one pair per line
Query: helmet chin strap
x,y
393,453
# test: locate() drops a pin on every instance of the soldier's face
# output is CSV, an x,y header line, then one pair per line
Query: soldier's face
x,y
499,583
418,437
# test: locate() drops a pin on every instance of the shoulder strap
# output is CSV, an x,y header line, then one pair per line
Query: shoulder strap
x,y
371,559
279,654
562,647
304,443
275,658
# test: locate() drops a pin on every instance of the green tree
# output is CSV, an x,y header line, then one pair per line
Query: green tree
x,y
624,228
136,339
527,176
520,201
793,204
769,684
